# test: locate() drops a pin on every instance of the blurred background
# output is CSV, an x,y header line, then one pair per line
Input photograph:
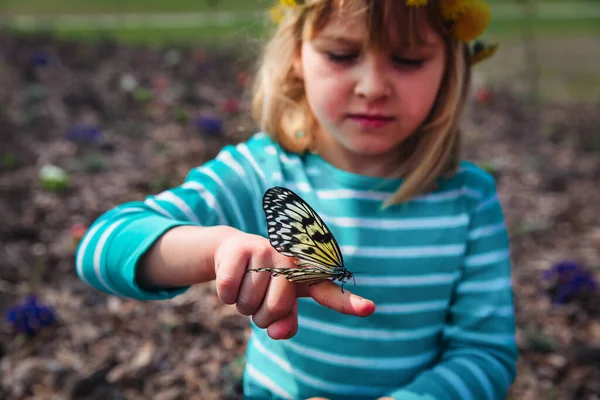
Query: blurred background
x,y
106,101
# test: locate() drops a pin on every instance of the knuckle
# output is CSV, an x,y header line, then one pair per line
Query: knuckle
x,y
227,287
262,254
247,304
278,310
261,322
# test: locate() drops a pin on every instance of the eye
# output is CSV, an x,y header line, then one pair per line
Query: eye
x,y
408,62
341,57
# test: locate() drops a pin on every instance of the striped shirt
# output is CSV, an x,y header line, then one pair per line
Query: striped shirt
x,y
437,268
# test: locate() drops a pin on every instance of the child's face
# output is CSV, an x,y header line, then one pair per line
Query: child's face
x,y
367,102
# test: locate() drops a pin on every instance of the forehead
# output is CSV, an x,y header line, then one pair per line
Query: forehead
x,y
383,24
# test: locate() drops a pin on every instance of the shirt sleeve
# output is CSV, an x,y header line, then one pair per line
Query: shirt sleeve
x,y
480,352
225,191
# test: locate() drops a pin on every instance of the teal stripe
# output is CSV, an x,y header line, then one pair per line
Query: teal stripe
x,y
482,379
455,382
424,320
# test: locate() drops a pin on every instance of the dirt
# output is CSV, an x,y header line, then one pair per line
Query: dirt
x,y
74,106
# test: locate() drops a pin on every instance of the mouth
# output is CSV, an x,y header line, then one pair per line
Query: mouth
x,y
371,120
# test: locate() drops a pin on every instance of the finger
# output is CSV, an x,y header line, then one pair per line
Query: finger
x,y
287,327
278,301
252,292
330,295
229,272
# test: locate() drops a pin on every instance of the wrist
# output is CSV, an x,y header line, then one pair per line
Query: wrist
x,y
182,256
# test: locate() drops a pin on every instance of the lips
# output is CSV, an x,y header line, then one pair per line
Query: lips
x,y
371,120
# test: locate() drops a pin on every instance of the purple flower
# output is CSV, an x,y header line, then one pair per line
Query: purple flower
x,y
210,126
84,133
30,317
40,59
568,281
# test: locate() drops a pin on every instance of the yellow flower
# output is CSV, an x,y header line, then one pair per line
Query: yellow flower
x,y
482,51
472,22
276,14
451,9
288,3
416,3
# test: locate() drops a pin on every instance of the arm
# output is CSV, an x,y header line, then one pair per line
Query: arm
x,y
117,247
479,360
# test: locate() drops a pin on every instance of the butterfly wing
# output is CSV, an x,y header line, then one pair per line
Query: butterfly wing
x,y
296,230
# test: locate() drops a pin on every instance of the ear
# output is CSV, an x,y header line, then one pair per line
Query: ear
x,y
297,64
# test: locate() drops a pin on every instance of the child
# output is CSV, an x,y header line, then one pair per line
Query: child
x,y
359,103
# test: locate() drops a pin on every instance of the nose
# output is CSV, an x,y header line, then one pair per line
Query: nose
x,y
372,78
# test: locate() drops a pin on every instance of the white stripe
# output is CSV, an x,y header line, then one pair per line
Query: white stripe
x,y
406,252
266,382
208,198
178,203
270,150
437,197
389,224
484,286
299,187
313,381
313,171
363,362
376,334
243,149
288,160
272,356
486,258
449,195
479,375
469,353
130,210
277,176
230,197
486,203
227,159
338,194
156,207
486,231
98,255
454,381
409,281
496,338
486,311
411,308
83,249
89,235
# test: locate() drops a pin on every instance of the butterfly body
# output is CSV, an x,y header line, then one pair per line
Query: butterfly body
x,y
296,230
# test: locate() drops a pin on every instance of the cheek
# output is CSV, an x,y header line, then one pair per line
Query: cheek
x,y
326,96
423,94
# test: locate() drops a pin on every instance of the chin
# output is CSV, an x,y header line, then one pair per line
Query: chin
x,y
370,147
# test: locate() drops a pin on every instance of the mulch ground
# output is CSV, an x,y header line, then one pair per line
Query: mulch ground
x,y
127,121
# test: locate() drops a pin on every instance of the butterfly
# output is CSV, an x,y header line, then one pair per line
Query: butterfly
x,y
296,230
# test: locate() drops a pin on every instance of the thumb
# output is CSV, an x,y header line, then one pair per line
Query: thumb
x,y
330,295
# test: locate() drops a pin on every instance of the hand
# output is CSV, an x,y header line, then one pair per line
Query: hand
x,y
272,301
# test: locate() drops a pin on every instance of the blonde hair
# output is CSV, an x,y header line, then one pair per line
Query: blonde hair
x,y
279,103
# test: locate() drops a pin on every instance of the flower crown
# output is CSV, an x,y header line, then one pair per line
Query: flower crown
x,y
468,19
